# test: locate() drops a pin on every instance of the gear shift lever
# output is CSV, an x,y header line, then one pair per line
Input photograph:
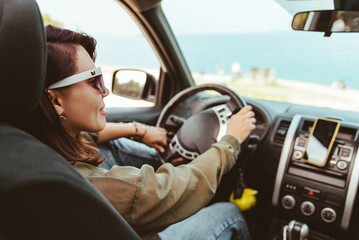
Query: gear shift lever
x,y
296,231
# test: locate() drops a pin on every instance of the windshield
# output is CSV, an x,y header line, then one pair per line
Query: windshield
x,y
250,47
247,45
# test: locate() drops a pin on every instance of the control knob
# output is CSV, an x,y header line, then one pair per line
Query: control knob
x,y
288,202
328,215
307,208
298,155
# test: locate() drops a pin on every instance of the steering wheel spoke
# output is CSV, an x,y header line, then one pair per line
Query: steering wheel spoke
x,y
177,147
194,135
223,113
175,121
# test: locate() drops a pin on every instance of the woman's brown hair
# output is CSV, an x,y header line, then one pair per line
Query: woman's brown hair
x,y
44,122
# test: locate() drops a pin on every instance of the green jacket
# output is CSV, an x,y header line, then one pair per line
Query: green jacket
x,y
151,201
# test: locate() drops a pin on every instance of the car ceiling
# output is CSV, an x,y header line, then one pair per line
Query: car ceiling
x,y
294,6
141,5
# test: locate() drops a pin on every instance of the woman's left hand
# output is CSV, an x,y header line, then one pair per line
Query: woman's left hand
x,y
155,137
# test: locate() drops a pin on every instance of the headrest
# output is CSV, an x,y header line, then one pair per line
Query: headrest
x,y
22,57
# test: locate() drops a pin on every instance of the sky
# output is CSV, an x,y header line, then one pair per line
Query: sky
x,y
185,16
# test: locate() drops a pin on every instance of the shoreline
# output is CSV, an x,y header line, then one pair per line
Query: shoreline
x,y
283,90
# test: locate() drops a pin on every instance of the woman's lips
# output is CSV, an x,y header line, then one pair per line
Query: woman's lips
x,y
102,111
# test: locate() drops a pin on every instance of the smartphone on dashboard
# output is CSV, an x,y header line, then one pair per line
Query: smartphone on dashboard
x,y
320,141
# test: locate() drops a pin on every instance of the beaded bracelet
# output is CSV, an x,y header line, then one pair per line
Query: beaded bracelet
x,y
137,136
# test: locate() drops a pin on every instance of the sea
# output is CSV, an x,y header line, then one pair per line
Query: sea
x,y
298,56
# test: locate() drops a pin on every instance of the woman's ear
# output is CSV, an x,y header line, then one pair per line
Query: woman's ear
x,y
56,101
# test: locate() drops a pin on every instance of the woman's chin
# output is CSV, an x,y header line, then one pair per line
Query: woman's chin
x,y
99,126
102,124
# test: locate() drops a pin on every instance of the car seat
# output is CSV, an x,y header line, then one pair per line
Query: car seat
x,y
41,195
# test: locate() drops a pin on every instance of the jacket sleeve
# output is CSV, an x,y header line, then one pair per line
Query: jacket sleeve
x,y
151,200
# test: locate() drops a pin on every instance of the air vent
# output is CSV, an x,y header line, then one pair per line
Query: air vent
x,y
281,132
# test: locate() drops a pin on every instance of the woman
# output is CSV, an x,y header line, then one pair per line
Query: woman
x,y
167,202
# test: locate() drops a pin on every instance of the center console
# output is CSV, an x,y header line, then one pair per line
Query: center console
x,y
321,197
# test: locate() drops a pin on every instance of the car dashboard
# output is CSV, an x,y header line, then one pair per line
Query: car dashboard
x,y
321,197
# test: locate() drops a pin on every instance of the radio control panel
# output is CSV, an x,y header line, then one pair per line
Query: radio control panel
x,y
317,195
340,157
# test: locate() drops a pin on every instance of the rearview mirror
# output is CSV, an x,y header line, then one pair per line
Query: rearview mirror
x,y
135,84
327,21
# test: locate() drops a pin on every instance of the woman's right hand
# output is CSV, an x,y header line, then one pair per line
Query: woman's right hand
x,y
242,124
155,137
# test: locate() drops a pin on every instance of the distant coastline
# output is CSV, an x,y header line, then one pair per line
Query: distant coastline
x,y
282,90
293,55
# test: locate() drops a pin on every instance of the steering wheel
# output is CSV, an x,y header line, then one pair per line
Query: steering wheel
x,y
197,133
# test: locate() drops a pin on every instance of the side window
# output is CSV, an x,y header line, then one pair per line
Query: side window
x,y
120,42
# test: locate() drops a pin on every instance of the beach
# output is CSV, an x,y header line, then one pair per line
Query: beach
x,y
281,90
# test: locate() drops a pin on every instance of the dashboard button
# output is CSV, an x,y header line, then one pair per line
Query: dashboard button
x,y
298,155
291,187
328,215
332,163
345,152
311,192
307,208
300,142
342,165
288,202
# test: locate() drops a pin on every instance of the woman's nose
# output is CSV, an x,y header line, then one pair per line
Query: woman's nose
x,y
106,93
